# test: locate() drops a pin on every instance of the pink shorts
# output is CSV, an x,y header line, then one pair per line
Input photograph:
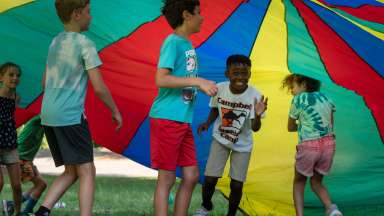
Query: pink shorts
x,y
172,144
315,155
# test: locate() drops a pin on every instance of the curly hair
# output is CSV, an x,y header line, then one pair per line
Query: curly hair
x,y
173,10
64,8
311,84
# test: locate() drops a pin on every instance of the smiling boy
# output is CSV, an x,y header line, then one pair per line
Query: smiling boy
x,y
236,111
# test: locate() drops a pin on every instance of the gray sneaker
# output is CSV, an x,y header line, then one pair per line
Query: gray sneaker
x,y
201,212
334,211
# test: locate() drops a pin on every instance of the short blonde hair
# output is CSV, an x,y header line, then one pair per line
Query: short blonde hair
x,y
64,8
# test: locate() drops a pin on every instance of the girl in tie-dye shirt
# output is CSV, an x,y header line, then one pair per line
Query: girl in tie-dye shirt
x,y
311,115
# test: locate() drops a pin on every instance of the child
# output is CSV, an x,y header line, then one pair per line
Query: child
x,y
72,60
29,142
9,78
311,115
172,141
239,108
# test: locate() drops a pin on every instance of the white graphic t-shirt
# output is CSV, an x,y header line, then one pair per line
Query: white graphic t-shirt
x,y
233,126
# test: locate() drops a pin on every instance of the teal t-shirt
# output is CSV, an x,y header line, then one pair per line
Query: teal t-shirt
x,y
313,110
70,55
178,55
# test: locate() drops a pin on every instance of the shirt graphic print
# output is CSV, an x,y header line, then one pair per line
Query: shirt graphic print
x,y
233,126
188,93
233,116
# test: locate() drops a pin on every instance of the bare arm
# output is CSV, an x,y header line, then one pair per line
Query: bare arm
x,y
102,92
256,123
166,80
292,125
211,118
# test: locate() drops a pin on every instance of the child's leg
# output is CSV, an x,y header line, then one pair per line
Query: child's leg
x,y
14,177
86,174
327,145
39,185
208,189
309,157
172,145
184,193
165,181
235,196
60,185
318,187
238,173
298,192
218,156
1,179
71,145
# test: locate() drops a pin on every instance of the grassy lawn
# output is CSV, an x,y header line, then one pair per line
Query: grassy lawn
x,y
122,197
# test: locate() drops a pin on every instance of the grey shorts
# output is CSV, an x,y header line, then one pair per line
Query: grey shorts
x,y
218,156
8,157
70,145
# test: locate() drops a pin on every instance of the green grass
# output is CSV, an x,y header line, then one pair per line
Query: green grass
x,y
119,196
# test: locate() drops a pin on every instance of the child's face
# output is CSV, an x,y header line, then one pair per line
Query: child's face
x,y
10,78
83,17
297,88
195,20
238,75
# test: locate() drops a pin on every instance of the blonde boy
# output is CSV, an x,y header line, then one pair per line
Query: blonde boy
x,y
72,61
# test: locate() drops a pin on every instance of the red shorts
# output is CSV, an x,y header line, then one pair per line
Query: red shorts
x,y
172,144
315,155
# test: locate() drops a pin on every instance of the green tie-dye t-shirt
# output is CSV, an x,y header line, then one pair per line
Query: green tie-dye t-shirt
x,y
313,110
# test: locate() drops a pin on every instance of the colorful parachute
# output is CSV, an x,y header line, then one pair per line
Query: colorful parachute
x,y
336,41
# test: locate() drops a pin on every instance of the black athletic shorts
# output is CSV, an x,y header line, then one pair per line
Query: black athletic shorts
x,y
70,145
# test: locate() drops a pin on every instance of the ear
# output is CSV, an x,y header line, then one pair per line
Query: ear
x,y
186,15
76,14
249,71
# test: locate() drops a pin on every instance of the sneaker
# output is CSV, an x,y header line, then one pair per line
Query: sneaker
x,y
8,208
5,207
59,204
334,211
201,212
